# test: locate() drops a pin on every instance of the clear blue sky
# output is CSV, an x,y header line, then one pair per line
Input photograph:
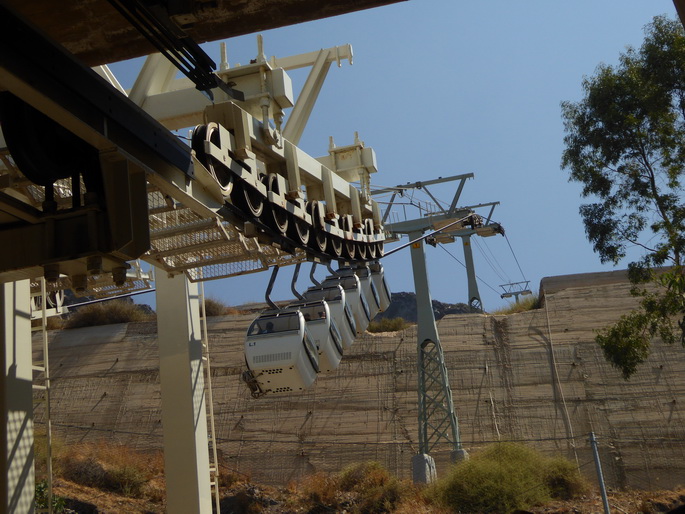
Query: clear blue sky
x,y
444,87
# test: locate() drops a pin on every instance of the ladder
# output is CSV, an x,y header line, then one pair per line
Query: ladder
x,y
41,372
213,456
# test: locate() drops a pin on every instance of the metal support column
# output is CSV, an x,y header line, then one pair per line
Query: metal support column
x,y
16,400
184,418
474,295
437,419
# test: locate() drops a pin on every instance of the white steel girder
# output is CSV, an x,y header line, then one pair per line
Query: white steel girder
x,y
174,201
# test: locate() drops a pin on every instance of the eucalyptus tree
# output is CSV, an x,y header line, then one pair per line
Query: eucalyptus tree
x,y
625,143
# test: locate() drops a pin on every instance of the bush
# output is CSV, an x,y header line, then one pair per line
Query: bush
x,y
506,477
107,313
110,467
528,303
387,325
319,490
376,488
52,323
563,479
215,307
59,504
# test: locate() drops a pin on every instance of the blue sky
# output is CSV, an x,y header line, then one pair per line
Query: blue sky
x,y
444,87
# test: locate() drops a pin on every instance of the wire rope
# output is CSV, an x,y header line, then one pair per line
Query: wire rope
x,y
487,247
492,263
464,265
517,261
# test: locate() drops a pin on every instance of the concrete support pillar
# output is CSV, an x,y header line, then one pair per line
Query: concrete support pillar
x,y
474,294
184,419
423,469
16,400
425,318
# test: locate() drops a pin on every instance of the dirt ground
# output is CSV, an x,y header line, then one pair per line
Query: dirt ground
x,y
245,498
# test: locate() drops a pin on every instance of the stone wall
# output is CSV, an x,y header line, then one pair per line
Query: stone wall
x,y
535,377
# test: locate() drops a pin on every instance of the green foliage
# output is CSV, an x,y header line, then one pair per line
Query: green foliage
x,y
107,313
387,325
624,144
626,344
505,477
59,504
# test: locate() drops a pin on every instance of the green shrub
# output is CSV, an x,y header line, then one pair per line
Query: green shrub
x,y
59,504
387,325
505,477
107,313
563,479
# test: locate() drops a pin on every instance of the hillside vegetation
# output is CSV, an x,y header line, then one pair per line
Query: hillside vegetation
x,y
503,477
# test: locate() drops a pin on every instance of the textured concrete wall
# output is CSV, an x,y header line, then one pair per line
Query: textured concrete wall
x,y
535,377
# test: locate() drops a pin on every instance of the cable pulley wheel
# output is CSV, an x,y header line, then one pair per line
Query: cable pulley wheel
x,y
368,231
223,176
349,248
317,238
247,199
298,230
335,245
275,217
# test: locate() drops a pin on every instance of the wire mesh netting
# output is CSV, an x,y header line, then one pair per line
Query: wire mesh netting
x,y
535,377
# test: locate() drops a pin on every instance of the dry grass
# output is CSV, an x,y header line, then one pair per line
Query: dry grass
x,y
114,468
528,303
107,313
53,322
387,325
216,307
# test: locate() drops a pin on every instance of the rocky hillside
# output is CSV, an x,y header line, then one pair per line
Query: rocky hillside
x,y
404,306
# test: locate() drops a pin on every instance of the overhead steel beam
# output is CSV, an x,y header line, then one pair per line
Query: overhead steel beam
x,y
96,34
47,77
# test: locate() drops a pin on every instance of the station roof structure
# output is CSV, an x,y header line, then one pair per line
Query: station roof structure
x,y
96,34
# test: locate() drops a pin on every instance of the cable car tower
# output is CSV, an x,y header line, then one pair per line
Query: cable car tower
x,y
437,418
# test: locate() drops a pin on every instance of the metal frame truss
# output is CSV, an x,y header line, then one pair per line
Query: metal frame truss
x,y
437,419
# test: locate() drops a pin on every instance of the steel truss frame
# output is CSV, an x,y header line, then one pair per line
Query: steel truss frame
x,y
150,173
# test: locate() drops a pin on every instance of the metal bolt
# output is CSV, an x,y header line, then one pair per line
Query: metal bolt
x,y
94,265
119,275
79,283
51,272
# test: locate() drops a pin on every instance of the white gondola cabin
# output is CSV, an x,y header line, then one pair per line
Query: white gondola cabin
x,y
340,310
368,286
378,277
323,331
280,354
355,297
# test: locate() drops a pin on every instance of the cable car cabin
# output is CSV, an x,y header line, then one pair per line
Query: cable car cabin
x,y
323,330
369,288
378,277
340,310
280,354
355,297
